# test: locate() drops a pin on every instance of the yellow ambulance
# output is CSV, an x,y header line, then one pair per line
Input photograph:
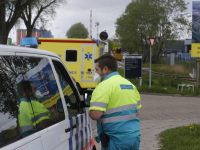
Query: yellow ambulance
x,y
78,55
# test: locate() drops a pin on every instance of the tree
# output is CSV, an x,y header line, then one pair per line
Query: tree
x,y
115,44
39,10
11,67
9,14
77,30
164,20
110,46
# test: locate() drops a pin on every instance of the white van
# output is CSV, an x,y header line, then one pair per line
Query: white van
x,y
40,106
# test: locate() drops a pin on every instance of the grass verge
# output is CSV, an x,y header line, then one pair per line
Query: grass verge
x,y
180,70
164,85
181,138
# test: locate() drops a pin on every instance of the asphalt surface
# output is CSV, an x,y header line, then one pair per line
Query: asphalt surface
x,y
161,112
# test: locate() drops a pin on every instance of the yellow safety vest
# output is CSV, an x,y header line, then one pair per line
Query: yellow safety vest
x,y
119,99
29,119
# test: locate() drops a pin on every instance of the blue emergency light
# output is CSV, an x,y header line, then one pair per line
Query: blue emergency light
x,y
97,41
29,42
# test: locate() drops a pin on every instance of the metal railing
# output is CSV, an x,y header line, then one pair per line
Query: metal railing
x,y
189,62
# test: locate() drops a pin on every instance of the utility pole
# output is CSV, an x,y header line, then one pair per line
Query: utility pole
x,y
91,24
97,24
198,75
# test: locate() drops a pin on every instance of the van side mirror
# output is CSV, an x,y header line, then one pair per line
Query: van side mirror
x,y
59,106
87,95
87,98
85,102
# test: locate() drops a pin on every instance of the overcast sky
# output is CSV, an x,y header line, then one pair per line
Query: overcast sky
x,y
105,12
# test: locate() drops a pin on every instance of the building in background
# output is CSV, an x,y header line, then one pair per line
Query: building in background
x,y
195,22
21,33
179,46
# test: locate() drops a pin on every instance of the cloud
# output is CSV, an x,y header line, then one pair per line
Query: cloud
x,y
105,12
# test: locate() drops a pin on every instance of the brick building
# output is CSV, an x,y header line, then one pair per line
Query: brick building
x,y
21,33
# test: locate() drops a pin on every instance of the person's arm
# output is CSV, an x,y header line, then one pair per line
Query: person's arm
x,y
95,114
47,122
98,103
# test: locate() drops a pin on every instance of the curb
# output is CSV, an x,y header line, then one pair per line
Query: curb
x,y
174,95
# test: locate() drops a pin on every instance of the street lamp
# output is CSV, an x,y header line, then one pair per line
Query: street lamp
x,y
97,24
60,33
7,1
54,28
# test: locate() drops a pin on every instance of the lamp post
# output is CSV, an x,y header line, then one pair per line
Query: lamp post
x,y
60,33
52,29
7,1
97,24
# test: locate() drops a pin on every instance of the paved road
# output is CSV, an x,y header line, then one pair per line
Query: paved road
x,y
161,112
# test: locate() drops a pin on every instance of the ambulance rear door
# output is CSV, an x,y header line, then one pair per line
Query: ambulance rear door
x,y
87,65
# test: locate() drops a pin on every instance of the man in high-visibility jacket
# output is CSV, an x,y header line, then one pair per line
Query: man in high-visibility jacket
x,y
115,105
32,115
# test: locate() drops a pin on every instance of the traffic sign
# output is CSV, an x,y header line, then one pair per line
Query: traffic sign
x,y
151,40
195,52
133,66
197,59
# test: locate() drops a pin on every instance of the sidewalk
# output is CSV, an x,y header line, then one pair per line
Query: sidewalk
x,y
162,112
150,129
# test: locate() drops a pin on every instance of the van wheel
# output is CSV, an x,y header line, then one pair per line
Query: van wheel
x,y
94,147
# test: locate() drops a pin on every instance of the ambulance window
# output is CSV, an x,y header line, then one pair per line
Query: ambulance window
x,y
67,88
71,55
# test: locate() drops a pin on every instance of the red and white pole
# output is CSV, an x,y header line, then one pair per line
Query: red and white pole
x,y
91,24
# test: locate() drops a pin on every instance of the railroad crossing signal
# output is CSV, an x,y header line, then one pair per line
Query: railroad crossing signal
x,y
152,40
103,35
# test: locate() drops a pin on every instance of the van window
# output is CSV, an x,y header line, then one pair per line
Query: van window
x,y
71,55
68,91
29,97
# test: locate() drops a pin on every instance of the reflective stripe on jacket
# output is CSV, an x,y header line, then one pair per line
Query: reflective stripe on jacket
x,y
27,119
119,99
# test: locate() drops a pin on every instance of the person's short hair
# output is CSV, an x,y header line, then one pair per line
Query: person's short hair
x,y
107,60
23,87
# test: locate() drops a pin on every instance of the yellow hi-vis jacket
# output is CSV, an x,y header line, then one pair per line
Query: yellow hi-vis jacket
x,y
29,119
119,99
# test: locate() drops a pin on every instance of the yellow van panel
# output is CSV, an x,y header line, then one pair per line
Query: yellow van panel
x,y
59,46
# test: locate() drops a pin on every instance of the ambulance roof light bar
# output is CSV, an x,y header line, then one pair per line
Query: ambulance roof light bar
x,y
29,42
